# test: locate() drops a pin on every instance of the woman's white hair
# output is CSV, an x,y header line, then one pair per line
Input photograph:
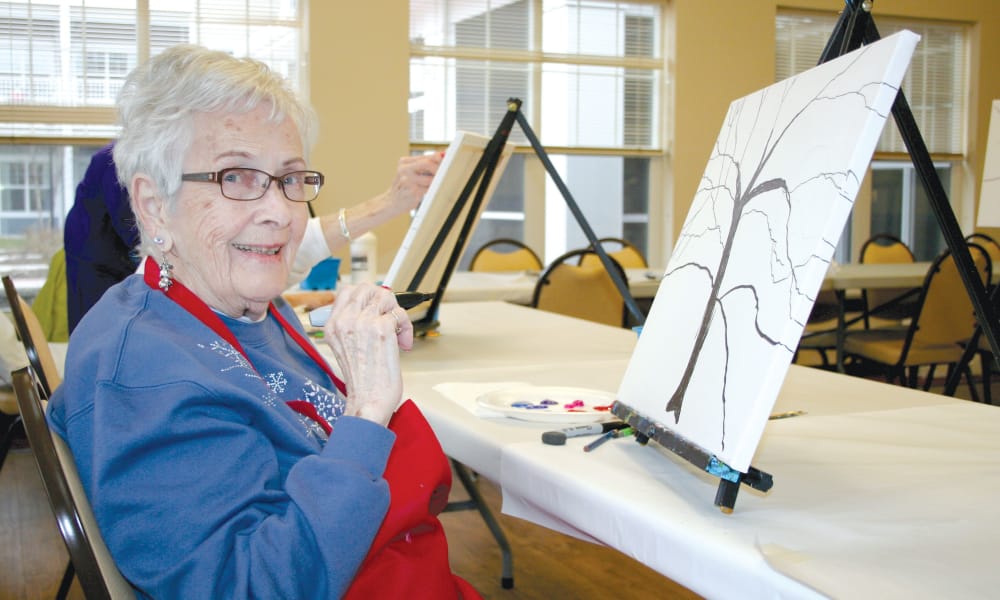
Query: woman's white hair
x,y
158,103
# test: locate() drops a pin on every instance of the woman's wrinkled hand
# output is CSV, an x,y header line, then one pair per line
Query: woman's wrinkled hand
x,y
365,331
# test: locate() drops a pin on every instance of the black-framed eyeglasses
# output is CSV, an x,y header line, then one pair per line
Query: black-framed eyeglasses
x,y
240,183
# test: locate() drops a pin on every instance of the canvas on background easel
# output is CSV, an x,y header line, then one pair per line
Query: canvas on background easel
x,y
750,259
989,189
433,245
473,164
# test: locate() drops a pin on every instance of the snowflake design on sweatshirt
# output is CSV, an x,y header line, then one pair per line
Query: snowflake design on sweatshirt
x,y
329,405
277,382
238,362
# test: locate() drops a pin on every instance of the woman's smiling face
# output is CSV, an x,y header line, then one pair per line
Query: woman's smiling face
x,y
237,255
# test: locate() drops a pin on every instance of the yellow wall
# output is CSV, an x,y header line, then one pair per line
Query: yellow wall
x,y
362,105
722,49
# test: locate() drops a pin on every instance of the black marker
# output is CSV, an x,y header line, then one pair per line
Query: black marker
x,y
558,438
406,300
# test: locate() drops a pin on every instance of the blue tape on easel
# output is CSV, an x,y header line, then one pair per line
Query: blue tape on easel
x,y
722,470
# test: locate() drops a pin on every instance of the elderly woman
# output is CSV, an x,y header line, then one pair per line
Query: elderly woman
x,y
100,232
222,455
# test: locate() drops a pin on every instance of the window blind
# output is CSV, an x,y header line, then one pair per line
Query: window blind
x,y
936,84
62,65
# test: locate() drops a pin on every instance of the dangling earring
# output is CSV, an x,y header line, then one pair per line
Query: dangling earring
x,y
166,280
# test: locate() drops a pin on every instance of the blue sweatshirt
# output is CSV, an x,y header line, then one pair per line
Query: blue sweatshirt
x,y
205,484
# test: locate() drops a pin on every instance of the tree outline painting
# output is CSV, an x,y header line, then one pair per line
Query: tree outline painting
x,y
757,241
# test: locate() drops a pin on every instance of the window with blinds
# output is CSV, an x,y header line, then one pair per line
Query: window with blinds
x,y
588,72
62,64
935,86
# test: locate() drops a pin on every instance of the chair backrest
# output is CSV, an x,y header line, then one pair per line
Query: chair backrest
x,y
988,243
946,316
585,291
95,569
883,248
505,254
29,329
623,251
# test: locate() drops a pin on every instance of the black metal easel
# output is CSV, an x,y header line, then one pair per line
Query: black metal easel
x,y
854,28
729,478
479,182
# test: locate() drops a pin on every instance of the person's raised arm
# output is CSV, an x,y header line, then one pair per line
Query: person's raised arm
x,y
413,177
327,233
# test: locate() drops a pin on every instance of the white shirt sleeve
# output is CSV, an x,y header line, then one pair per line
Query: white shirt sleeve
x,y
312,250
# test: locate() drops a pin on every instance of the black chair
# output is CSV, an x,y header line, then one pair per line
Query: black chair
x,y
89,557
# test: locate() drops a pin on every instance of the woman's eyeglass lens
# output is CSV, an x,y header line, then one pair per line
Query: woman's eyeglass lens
x,y
250,184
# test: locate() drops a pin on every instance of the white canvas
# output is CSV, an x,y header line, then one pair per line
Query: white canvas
x,y
458,165
747,265
989,191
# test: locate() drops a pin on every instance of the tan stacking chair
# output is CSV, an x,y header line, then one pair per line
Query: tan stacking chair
x,y
43,368
943,323
95,569
505,254
820,332
887,307
624,252
581,288
11,419
32,335
989,244
981,343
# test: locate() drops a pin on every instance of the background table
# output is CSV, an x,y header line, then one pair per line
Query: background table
x,y
879,490
854,277
876,276
477,286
